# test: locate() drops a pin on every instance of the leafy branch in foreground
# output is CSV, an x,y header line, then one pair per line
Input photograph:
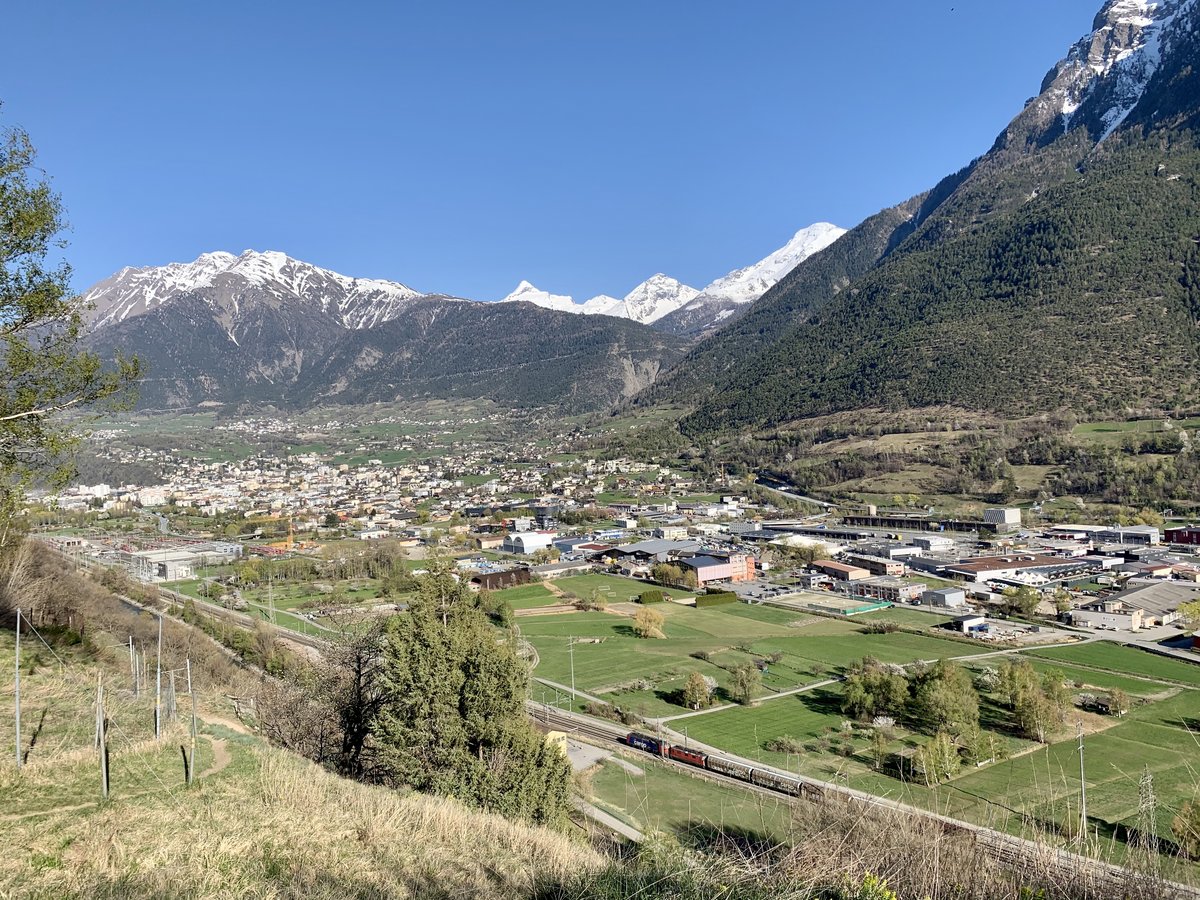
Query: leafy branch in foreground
x,y
48,383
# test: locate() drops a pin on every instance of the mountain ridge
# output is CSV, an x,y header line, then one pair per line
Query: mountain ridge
x,y
1057,269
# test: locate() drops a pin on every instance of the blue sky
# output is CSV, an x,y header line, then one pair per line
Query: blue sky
x,y
463,146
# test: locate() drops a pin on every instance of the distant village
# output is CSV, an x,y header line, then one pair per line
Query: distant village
x,y
536,517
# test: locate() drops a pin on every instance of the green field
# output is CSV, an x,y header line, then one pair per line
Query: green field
x,y
1127,660
1104,681
1115,432
668,799
528,596
1046,782
731,635
615,588
901,615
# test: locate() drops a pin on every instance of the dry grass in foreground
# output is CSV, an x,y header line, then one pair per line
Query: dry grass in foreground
x,y
275,826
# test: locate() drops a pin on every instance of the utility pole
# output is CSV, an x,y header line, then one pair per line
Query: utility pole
x,y
133,666
18,688
171,714
192,753
1082,791
158,686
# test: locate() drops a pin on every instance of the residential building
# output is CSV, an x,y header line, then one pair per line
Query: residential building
x,y
488,541
877,565
742,567
670,532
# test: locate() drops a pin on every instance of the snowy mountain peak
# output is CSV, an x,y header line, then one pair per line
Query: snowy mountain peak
x,y
657,296
525,292
649,301
222,278
748,284
1106,72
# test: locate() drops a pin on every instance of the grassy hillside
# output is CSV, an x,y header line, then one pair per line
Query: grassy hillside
x,y
259,822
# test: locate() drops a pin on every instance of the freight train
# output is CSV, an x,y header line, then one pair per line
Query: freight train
x,y
764,778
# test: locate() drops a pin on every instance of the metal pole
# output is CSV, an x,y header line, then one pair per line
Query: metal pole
x,y
171,698
158,686
192,754
18,688
102,733
1082,791
133,665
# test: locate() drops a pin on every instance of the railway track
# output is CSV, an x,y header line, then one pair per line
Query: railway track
x,y
233,617
1015,852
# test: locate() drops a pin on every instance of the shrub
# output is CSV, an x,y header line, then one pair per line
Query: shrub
x,y
718,599
785,743
881,628
651,596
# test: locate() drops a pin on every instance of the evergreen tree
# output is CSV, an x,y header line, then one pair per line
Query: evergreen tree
x,y
452,721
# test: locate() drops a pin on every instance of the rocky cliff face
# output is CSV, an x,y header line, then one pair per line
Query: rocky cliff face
x,y
1108,72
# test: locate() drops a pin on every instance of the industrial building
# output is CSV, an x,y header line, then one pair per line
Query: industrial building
x,y
886,588
1112,614
950,598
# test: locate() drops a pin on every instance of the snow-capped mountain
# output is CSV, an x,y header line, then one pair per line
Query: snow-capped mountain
x,y
727,297
527,293
1106,73
672,306
353,302
748,284
657,296
654,298
265,328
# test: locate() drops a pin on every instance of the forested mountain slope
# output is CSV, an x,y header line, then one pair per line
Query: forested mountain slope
x,y
1059,269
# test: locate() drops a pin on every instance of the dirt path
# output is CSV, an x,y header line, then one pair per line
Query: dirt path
x,y
49,812
221,758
